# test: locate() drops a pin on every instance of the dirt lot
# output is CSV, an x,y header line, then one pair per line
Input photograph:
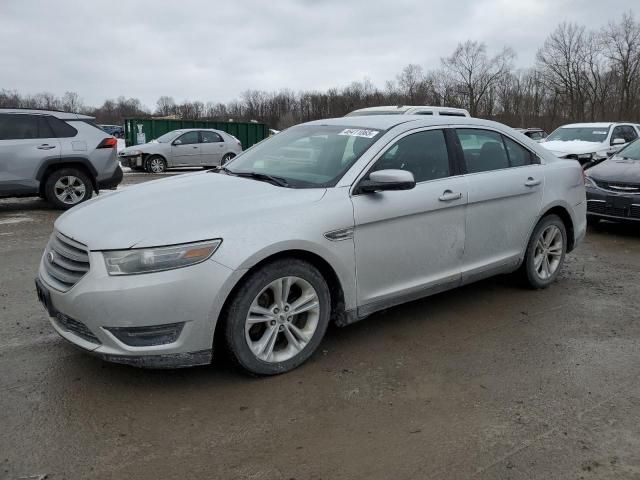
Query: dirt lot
x,y
489,381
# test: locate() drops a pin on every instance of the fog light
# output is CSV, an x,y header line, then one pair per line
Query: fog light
x,y
147,336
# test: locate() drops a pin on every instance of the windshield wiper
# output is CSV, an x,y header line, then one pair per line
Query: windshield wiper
x,y
263,177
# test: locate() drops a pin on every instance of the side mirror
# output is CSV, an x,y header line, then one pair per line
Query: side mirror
x,y
618,141
177,142
383,180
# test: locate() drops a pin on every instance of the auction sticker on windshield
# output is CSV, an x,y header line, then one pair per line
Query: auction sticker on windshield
x,y
359,132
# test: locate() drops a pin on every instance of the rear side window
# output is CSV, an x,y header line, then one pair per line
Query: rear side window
x,y
210,137
424,154
452,114
23,127
483,150
60,128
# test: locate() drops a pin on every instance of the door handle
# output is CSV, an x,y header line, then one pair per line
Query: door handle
x,y
532,182
448,196
195,146
45,146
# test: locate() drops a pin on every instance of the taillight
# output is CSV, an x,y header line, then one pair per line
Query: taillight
x,y
110,142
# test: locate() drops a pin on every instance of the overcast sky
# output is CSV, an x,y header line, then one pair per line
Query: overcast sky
x,y
214,50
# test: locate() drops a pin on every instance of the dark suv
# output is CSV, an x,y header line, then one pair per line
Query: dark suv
x,y
62,157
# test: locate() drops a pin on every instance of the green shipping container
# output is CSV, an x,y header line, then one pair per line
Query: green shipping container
x,y
248,133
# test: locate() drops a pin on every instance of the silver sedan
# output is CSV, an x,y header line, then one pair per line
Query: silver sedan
x,y
194,147
330,220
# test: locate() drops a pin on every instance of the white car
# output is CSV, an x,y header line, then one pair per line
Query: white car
x,y
410,110
262,254
189,147
590,142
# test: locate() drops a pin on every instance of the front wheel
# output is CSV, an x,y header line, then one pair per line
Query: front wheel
x,y
545,252
278,317
156,164
226,159
67,187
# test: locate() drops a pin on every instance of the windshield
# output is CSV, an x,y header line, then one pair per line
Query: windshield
x,y
630,152
307,156
586,134
168,137
366,113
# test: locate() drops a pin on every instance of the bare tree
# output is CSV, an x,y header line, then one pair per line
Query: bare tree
x,y
165,106
476,73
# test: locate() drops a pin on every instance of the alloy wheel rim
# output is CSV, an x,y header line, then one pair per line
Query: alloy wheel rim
x,y
157,166
69,189
282,319
548,252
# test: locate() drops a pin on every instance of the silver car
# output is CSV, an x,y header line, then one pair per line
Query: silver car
x,y
331,220
190,147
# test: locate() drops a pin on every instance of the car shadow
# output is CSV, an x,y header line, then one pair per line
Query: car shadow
x,y
630,230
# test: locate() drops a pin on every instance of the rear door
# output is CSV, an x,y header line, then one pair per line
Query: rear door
x,y
26,141
410,243
212,148
185,150
505,182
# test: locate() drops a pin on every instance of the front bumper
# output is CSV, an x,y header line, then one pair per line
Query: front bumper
x,y
194,295
613,206
131,161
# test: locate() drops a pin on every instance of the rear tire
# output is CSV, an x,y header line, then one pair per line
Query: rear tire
x,y
67,187
545,252
277,318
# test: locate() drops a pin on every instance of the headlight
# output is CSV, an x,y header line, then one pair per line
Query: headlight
x,y
147,260
133,153
588,182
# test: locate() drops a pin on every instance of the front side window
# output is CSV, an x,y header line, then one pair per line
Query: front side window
x,y
628,133
210,137
19,127
189,138
424,154
307,156
483,150
168,137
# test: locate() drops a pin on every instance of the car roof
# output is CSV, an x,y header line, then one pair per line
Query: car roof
x,y
53,113
405,108
385,122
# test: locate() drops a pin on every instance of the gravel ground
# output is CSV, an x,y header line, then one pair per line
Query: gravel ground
x,y
487,382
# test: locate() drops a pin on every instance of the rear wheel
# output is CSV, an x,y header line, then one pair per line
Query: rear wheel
x,y
278,317
67,187
545,252
226,158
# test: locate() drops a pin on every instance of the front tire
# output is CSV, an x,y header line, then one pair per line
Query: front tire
x,y
156,164
277,318
545,252
226,159
67,187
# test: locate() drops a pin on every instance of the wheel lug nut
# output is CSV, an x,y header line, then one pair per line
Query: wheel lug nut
x,y
281,327
286,309
289,319
276,310
272,322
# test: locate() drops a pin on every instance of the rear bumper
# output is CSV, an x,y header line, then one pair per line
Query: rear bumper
x,y
113,181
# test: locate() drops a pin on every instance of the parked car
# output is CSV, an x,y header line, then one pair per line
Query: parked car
x,y
190,147
115,130
613,187
410,110
535,134
61,157
590,143
265,251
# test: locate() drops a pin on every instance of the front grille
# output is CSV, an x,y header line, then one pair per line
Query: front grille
x,y
77,328
618,187
65,262
603,208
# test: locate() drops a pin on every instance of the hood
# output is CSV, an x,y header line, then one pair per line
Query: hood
x,y
617,170
573,147
180,209
145,147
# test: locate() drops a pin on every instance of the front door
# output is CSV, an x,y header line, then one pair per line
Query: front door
x,y
409,243
185,150
505,182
